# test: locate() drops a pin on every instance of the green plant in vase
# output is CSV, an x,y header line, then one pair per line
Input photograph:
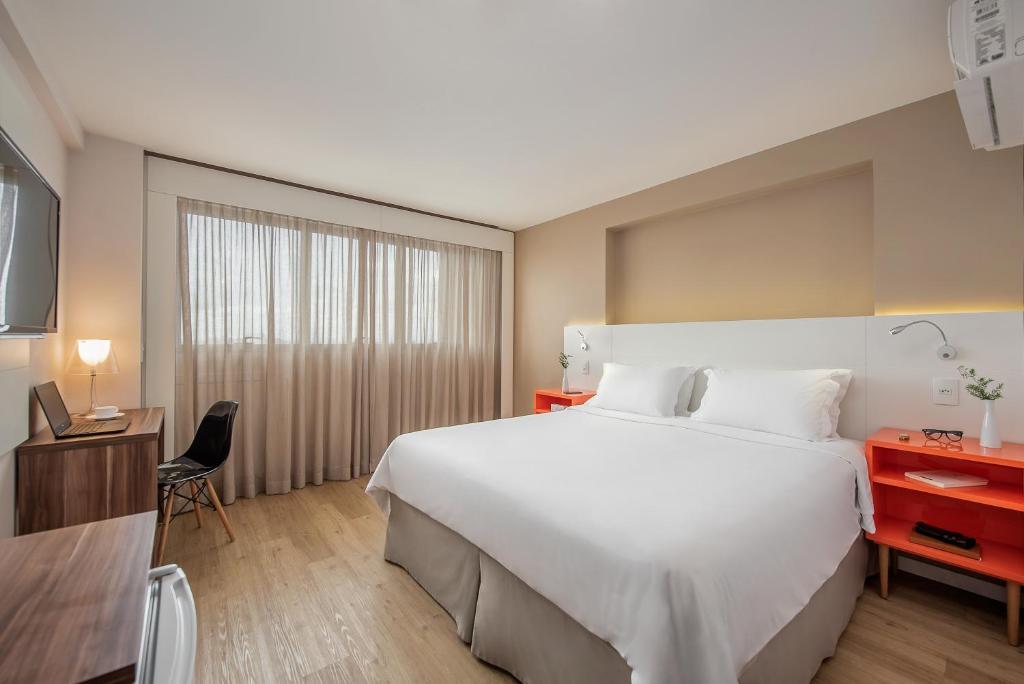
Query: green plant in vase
x,y
987,390
563,361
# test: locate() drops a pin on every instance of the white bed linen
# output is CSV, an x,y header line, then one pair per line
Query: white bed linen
x,y
686,546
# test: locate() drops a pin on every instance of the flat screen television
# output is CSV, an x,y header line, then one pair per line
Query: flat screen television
x,y
29,229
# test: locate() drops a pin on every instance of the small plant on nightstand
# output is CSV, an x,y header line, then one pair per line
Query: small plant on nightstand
x,y
563,360
984,388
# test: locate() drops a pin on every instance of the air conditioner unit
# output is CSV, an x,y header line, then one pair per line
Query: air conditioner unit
x,y
986,44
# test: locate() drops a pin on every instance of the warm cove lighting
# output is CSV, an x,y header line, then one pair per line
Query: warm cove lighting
x,y
937,311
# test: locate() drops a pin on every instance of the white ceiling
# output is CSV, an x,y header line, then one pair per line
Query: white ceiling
x,y
504,112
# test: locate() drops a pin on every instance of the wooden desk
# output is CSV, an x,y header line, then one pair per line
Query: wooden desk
x,y
73,602
77,480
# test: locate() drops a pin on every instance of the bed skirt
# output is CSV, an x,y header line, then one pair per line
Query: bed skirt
x,y
509,625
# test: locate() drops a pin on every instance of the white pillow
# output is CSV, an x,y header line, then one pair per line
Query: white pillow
x,y
843,377
802,403
686,393
648,390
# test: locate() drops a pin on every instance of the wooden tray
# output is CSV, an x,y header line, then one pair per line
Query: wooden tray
x,y
918,538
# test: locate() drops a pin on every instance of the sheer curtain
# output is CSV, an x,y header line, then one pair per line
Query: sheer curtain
x,y
333,339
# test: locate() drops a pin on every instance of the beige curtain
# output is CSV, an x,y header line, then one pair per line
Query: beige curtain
x,y
333,339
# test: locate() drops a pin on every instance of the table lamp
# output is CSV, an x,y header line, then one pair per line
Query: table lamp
x,y
92,358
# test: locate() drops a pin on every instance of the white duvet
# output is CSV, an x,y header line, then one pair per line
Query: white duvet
x,y
686,546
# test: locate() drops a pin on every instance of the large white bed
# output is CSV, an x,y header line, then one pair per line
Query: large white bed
x,y
687,546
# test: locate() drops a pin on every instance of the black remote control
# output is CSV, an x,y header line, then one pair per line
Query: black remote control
x,y
954,538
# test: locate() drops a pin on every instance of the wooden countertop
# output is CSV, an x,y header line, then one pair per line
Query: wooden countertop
x,y
146,423
73,599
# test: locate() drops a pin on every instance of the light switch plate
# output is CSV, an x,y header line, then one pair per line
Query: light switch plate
x,y
946,391
586,368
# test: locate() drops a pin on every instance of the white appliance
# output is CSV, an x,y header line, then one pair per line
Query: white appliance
x,y
168,652
986,44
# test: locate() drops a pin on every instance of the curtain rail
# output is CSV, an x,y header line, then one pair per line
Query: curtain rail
x,y
313,188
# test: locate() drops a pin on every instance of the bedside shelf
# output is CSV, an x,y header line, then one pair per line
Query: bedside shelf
x,y
992,514
998,494
1010,455
997,560
543,399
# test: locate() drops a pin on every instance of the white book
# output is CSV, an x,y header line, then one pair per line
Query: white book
x,y
946,479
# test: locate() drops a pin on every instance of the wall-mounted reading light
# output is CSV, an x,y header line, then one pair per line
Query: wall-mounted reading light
x,y
946,351
583,341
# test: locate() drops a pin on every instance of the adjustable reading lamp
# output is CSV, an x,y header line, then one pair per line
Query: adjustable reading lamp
x,y
946,351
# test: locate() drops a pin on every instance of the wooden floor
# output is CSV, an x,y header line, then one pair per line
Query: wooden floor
x,y
304,595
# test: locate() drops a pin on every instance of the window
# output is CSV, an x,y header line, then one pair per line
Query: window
x,y
333,339
259,296
256,280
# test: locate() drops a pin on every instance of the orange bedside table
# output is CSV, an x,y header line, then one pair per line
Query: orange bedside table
x,y
544,398
993,514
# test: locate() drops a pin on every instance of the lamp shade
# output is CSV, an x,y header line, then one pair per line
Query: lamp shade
x,y
92,357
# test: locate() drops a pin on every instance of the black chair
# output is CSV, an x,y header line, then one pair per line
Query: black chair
x,y
206,455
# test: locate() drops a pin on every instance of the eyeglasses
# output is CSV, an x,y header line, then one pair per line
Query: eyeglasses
x,y
938,435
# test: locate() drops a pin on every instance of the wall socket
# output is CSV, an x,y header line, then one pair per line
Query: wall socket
x,y
946,391
586,368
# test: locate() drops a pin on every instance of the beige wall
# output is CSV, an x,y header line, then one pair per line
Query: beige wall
x,y
100,282
798,252
103,257
24,363
948,227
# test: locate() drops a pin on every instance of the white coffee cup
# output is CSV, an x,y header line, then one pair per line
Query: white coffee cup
x,y
105,412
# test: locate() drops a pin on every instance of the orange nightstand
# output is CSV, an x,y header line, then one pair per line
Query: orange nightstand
x,y
544,398
993,514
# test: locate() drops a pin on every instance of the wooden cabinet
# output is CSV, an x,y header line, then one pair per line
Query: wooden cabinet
x,y
74,601
72,481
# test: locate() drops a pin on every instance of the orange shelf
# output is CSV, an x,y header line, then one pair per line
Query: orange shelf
x,y
1011,455
993,514
577,397
998,494
544,398
997,560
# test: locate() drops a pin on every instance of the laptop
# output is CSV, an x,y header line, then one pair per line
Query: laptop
x,y
60,422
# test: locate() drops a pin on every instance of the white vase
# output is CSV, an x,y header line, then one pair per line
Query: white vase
x,y
565,380
989,430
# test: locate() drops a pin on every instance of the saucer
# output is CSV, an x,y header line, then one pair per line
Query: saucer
x,y
92,416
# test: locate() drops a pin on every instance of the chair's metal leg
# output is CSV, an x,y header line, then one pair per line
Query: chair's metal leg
x,y
220,509
196,506
168,515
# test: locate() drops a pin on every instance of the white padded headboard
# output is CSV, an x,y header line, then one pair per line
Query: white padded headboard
x,y
892,375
